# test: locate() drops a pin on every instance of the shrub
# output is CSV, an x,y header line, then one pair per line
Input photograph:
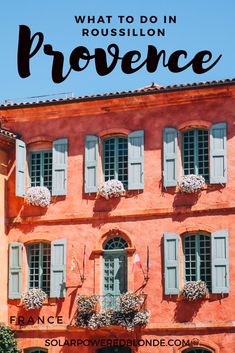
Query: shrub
x,y
7,340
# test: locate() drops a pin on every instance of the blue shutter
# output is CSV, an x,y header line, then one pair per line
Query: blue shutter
x,y
58,269
171,263
91,164
220,262
136,160
20,168
59,167
170,157
15,271
218,154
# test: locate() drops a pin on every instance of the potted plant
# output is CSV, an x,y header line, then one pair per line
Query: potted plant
x,y
111,188
194,290
38,196
34,298
191,183
7,340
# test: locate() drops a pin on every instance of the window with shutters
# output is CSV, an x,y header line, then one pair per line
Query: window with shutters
x,y
205,257
39,266
122,159
195,155
46,167
204,152
197,258
115,159
40,168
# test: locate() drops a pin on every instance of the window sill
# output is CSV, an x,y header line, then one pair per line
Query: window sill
x,y
208,297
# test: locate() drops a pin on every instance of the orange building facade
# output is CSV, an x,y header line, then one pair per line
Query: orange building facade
x,y
148,139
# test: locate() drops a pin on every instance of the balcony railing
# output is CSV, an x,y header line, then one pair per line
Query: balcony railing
x,y
110,301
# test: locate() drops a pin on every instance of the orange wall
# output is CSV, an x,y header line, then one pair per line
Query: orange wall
x,y
142,217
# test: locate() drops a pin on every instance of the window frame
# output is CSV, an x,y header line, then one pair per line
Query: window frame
x,y
116,154
32,350
42,153
195,151
28,249
198,258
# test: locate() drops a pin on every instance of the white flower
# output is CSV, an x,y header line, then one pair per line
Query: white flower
x,y
191,183
34,298
38,196
111,188
194,290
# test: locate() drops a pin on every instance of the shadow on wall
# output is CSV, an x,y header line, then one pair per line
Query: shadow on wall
x,y
186,311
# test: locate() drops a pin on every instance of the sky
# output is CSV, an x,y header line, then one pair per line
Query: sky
x,y
200,25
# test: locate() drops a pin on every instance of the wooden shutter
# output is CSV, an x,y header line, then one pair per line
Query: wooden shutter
x,y
15,270
220,262
218,154
91,164
171,263
20,168
59,167
170,157
58,269
136,160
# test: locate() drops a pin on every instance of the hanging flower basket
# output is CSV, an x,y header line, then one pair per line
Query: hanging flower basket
x,y
86,304
38,196
191,183
128,315
194,290
34,298
111,188
130,302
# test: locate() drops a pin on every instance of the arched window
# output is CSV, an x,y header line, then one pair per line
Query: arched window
x,y
197,350
40,168
114,349
114,271
115,243
197,258
36,350
39,262
115,159
195,156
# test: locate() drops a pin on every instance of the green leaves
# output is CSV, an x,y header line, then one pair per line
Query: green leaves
x,y
7,341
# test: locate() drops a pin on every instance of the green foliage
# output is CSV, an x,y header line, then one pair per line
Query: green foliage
x,y
7,341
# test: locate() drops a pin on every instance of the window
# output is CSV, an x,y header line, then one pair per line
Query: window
x,y
114,271
36,350
197,258
122,159
197,350
115,349
115,159
39,262
205,258
46,168
46,268
195,158
40,170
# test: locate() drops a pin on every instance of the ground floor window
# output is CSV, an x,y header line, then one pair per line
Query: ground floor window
x,y
114,349
36,350
197,350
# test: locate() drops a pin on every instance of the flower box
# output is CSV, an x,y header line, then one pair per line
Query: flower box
x,y
111,188
194,290
38,196
191,183
34,298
